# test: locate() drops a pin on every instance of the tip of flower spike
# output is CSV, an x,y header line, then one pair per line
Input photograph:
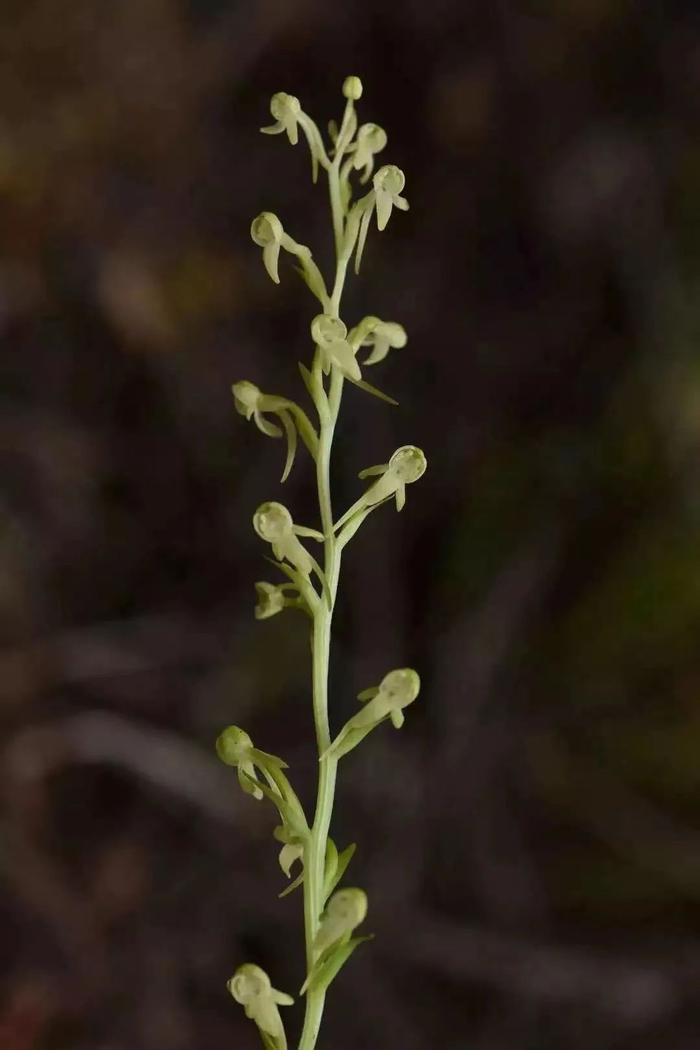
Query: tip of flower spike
x,y
352,88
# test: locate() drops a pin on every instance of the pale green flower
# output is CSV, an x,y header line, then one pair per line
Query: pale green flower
x,y
235,748
289,116
352,88
370,139
388,184
286,110
329,334
395,692
407,465
345,910
251,403
273,523
251,987
267,232
271,599
380,335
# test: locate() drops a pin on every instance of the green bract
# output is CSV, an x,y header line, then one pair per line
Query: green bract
x,y
307,851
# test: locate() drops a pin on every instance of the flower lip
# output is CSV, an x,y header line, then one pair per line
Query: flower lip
x,y
408,463
272,521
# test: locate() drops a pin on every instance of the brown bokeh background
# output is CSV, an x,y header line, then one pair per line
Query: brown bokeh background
x,y
531,840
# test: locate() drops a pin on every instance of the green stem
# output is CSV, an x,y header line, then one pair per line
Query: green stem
x,y
314,862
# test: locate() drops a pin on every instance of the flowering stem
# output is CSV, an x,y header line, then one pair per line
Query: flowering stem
x,y
314,865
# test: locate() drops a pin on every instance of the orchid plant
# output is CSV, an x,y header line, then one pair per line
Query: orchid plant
x,y
331,915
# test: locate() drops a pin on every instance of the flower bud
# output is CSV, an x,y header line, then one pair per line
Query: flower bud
x,y
352,88
348,907
345,910
388,184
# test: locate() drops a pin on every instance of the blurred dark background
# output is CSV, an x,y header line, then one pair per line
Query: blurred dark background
x,y
531,840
